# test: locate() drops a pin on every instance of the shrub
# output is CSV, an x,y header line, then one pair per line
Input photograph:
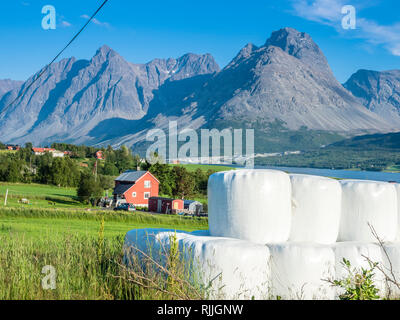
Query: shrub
x,y
359,284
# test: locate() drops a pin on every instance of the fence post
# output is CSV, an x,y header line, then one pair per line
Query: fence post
x,y
5,200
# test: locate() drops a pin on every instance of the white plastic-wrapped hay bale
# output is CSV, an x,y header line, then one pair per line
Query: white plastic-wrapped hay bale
x,y
152,241
358,254
366,202
316,209
253,205
397,187
298,271
145,242
391,262
234,269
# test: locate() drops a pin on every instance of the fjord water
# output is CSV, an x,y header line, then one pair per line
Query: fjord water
x,y
342,174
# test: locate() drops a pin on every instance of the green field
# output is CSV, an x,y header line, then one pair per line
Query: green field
x,y
39,196
88,259
55,229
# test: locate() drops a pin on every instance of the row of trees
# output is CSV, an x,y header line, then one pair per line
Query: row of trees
x,y
178,182
24,166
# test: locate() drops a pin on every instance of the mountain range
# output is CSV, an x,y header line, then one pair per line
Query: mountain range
x,y
284,89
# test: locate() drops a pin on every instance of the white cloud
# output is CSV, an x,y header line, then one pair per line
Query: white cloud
x,y
66,24
322,11
96,21
328,12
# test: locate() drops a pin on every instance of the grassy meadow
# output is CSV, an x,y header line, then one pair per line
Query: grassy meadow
x,y
82,243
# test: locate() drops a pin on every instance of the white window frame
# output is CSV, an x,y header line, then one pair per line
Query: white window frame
x,y
147,184
147,193
134,195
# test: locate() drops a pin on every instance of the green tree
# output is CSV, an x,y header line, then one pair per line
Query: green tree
x,y
163,173
89,189
13,174
110,169
106,182
184,183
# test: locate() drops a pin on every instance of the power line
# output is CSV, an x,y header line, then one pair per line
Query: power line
x,y
38,76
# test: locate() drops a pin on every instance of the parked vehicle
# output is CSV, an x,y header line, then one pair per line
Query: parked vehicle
x,y
125,207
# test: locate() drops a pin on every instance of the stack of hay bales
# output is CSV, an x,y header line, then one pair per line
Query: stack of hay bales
x,y
278,235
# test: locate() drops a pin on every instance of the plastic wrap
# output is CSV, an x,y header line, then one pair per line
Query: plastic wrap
x,y
366,202
236,269
201,233
316,209
391,263
358,254
298,271
253,205
397,187
140,242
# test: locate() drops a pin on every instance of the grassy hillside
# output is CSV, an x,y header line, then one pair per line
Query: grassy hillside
x,y
374,141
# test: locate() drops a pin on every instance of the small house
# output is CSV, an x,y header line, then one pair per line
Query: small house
x,y
42,151
12,147
165,205
135,187
99,155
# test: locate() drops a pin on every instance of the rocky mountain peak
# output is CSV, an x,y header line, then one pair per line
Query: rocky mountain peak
x,y
299,45
104,53
245,53
378,91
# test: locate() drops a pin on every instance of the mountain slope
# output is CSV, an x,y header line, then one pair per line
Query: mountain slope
x,y
289,80
371,142
73,96
277,89
378,91
8,85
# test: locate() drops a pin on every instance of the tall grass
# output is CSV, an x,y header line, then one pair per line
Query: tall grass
x,y
81,272
89,264
87,268
132,218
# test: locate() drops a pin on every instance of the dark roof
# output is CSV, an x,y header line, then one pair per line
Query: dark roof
x,y
188,202
122,188
131,176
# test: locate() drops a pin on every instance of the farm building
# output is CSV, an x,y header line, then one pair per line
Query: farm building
x,y
194,207
165,205
135,187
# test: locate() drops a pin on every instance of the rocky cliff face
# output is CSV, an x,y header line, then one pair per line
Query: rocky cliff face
x,y
378,91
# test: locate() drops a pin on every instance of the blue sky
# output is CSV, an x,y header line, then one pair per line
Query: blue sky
x,y
144,30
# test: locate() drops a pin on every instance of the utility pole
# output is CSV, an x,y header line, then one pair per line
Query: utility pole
x,y
5,200
95,171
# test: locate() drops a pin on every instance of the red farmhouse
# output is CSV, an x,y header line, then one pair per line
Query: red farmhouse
x,y
135,187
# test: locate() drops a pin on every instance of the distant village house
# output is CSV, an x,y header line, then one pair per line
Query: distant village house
x,y
53,152
11,147
99,155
